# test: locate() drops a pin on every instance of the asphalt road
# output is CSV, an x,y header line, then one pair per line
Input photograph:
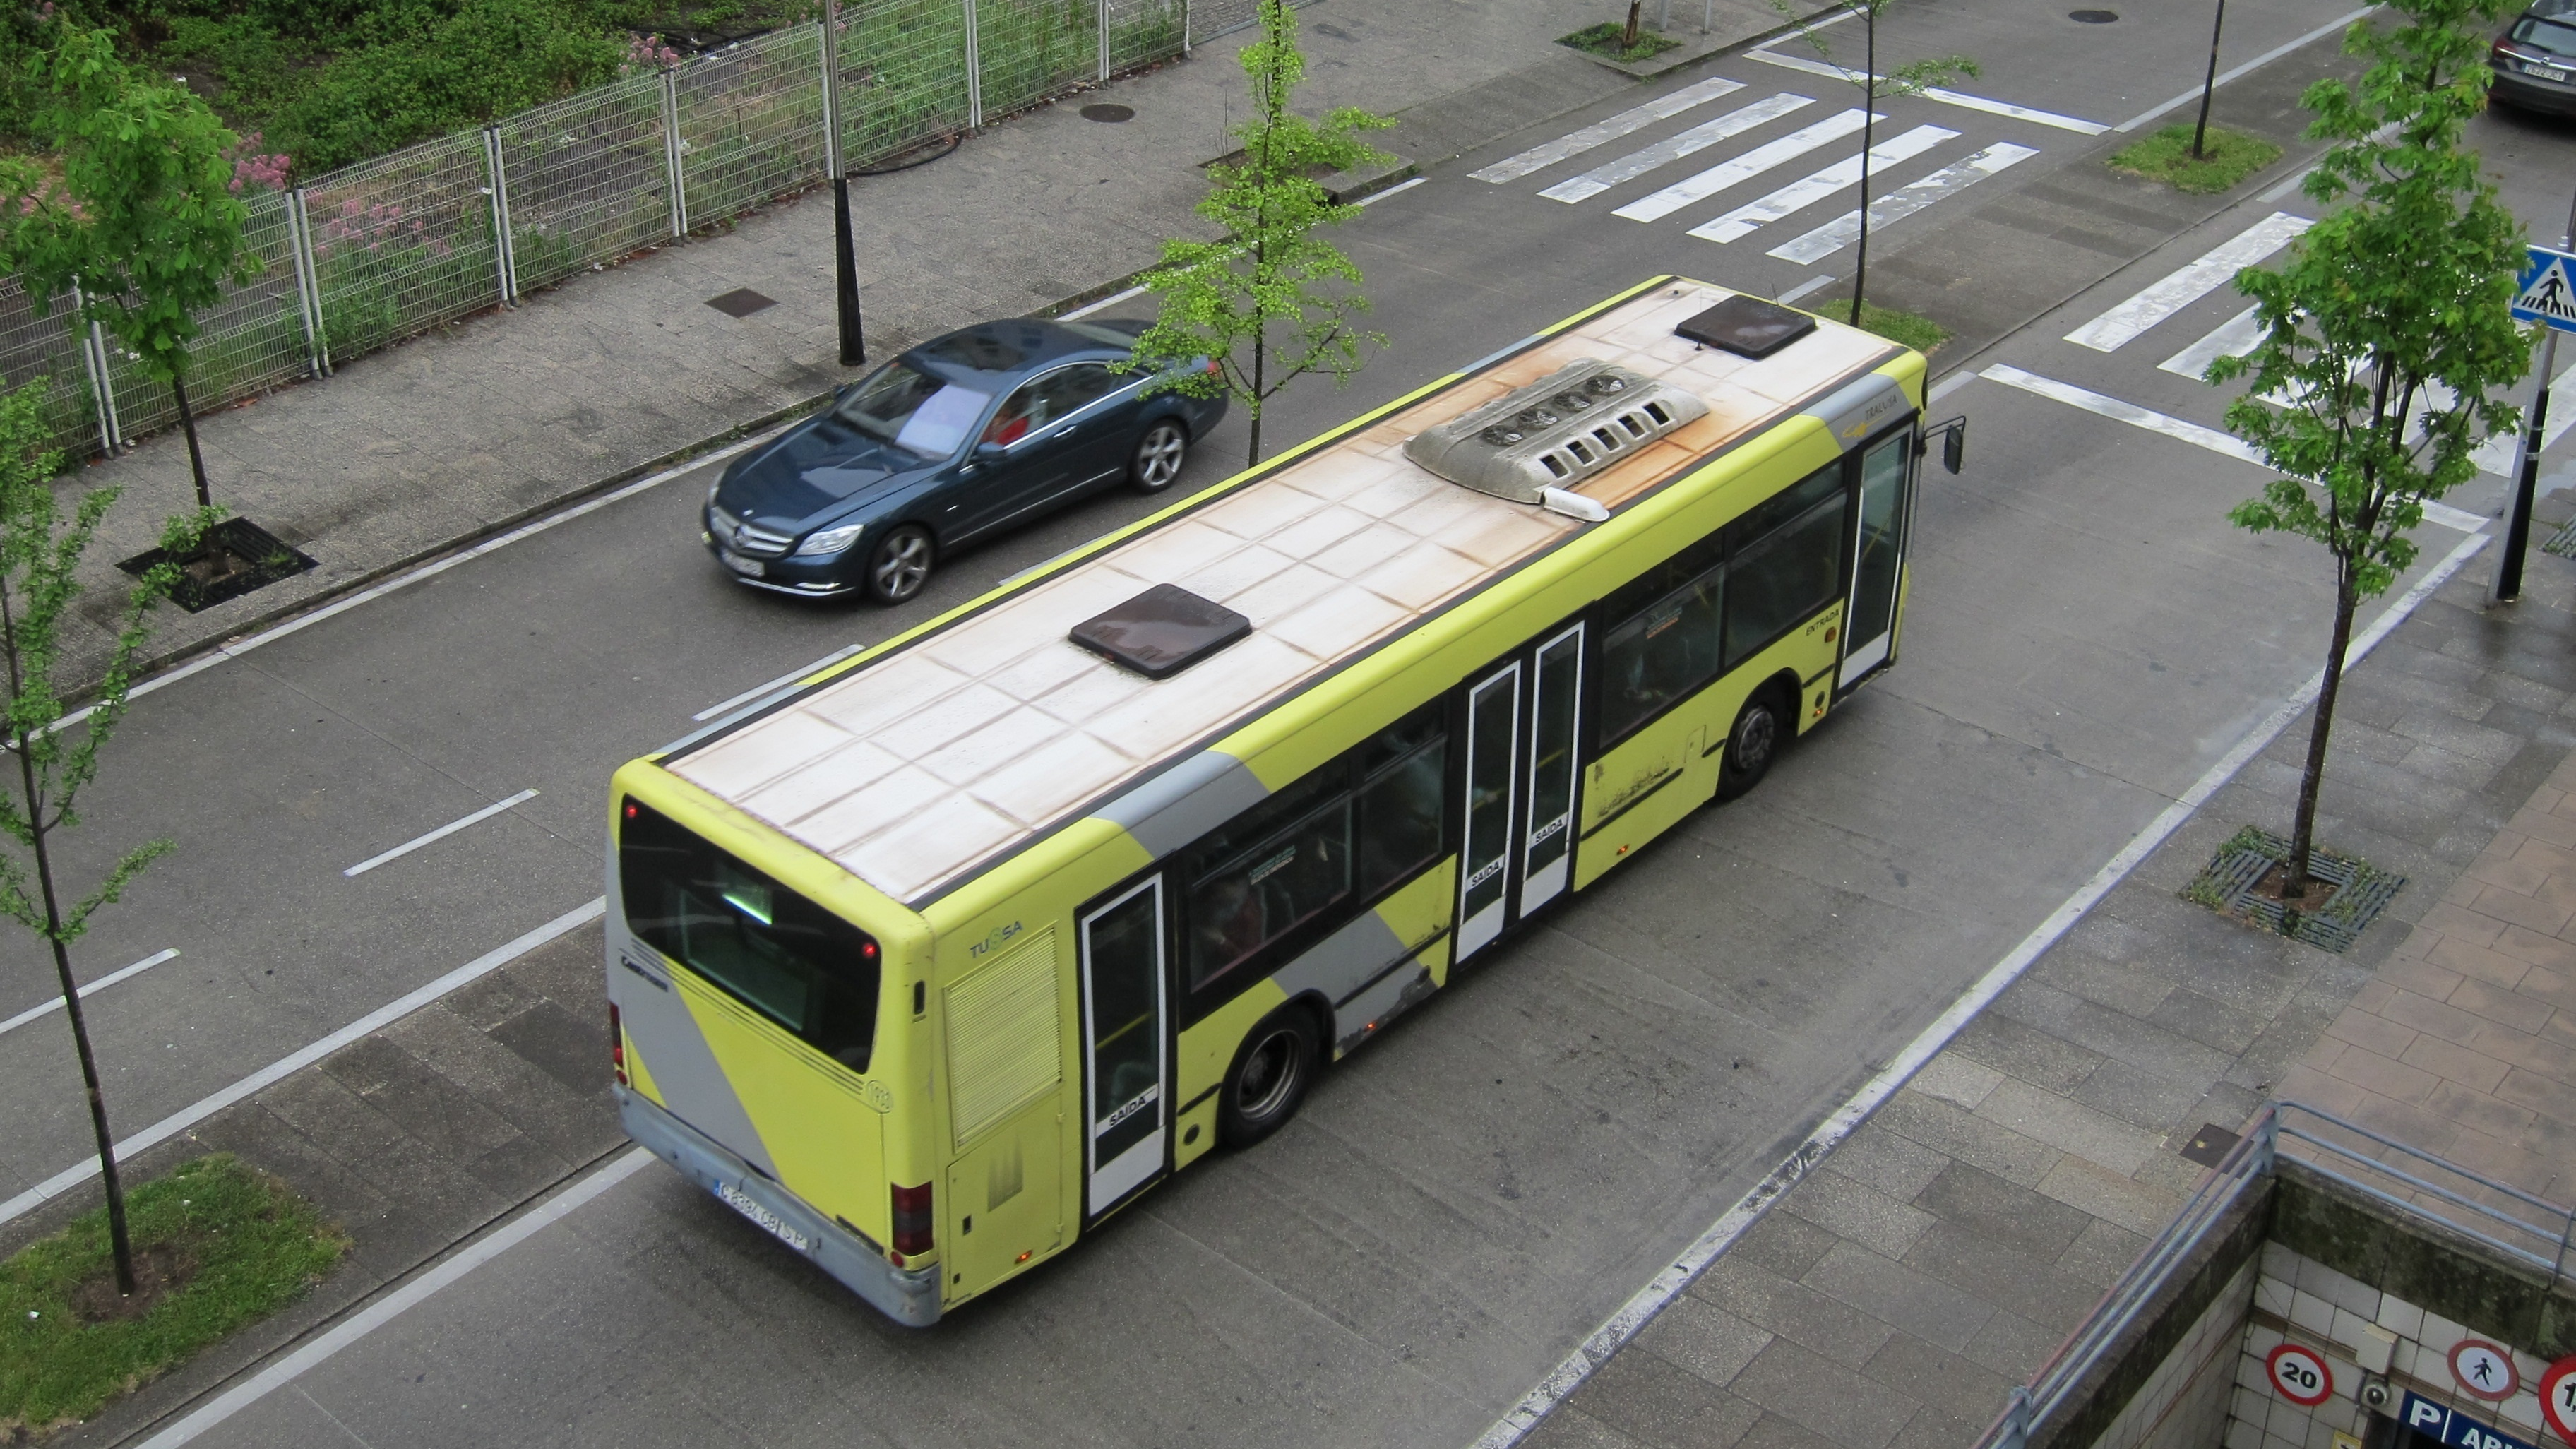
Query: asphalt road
x,y
1458,1205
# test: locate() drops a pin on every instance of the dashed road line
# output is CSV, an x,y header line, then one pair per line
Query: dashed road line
x,y
441,833
1946,97
1897,205
1799,195
55,1004
2258,62
1601,133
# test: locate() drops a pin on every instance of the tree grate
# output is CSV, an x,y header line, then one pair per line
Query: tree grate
x,y
2563,542
2361,891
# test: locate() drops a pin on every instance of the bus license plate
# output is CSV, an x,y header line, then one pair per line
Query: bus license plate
x,y
742,1203
750,568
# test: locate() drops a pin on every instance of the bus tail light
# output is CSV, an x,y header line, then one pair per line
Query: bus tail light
x,y
911,1222
616,1045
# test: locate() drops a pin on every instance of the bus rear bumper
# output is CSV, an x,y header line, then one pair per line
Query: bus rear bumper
x,y
909,1298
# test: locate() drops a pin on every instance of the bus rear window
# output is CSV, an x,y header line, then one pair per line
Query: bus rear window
x,y
766,946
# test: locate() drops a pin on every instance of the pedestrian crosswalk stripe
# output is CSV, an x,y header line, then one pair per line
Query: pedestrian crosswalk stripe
x,y
2233,338
2177,290
2496,454
1739,169
1897,205
1798,195
1672,148
1575,143
1936,93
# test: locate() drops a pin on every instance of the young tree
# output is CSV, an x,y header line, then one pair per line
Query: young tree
x,y
39,554
142,226
1911,79
1270,276
2385,335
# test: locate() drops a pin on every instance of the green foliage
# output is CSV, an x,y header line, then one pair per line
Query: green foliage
x,y
2228,158
143,220
1607,39
1270,301
1913,329
256,1247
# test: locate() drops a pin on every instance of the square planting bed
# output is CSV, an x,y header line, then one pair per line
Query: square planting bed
x,y
235,557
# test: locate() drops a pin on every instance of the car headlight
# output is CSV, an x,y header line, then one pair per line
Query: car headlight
x,y
830,540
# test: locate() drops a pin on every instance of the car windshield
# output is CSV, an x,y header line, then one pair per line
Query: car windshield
x,y
922,414
2557,37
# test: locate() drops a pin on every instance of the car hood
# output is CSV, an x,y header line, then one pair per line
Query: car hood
x,y
815,468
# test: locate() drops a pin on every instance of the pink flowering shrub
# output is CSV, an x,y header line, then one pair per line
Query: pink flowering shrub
x,y
647,53
254,169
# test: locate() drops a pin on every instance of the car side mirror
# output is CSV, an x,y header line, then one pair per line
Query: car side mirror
x,y
990,452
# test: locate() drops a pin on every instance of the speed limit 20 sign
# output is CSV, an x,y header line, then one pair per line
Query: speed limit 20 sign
x,y
2300,1374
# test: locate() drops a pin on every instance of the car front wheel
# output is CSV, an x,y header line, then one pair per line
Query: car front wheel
x,y
900,564
1159,455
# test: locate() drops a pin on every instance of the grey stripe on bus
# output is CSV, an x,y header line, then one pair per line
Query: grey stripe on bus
x,y
683,1067
1186,801
1860,407
1342,962
1390,998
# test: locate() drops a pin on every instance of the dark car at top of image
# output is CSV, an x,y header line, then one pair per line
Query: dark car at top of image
x,y
2534,60
958,440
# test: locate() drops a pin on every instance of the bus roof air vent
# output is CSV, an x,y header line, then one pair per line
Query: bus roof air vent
x,y
1554,433
1746,326
1161,631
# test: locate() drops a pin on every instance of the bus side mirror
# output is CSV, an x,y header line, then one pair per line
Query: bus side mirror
x,y
1954,442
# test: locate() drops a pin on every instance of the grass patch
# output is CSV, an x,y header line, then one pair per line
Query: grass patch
x,y
1913,329
2166,157
217,1246
1603,40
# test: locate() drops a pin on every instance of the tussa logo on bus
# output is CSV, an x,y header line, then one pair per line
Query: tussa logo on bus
x,y
997,936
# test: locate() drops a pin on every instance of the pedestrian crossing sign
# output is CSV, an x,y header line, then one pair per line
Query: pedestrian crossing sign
x,y
2548,290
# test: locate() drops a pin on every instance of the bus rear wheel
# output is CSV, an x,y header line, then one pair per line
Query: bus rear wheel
x,y
1761,728
1272,1071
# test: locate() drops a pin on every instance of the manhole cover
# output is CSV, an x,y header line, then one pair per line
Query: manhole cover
x,y
1108,111
741,302
2093,17
2210,1145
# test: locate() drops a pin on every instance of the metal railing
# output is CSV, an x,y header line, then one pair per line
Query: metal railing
x,y
389,248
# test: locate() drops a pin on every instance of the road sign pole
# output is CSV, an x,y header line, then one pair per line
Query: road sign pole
x,y
2526,473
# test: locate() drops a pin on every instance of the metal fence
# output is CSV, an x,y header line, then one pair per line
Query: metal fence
x,y
373,253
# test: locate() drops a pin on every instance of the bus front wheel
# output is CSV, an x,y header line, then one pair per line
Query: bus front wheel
x,y
1272,1070
1760,730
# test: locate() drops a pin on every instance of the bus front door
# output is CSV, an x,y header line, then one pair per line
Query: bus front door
x,y
1520,773
1878,549
1125,1017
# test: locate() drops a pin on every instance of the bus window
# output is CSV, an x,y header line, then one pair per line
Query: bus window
x,y
1661,652
766,946
1779,580
1260,891
1401,809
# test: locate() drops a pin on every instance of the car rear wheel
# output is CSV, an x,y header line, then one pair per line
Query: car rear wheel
x,y
900,564
1159,455
1760,729
1272,1071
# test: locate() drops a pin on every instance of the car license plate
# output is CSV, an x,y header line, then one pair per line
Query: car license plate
x,y
750,568
740,1202
2547,72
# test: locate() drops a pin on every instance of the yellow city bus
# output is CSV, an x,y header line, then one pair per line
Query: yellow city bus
x,y
941,956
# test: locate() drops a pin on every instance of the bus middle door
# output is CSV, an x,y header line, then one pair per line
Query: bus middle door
x,y
1519,773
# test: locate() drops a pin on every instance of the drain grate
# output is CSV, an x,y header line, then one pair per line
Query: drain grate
x,y
741,302
2563,542
2361,891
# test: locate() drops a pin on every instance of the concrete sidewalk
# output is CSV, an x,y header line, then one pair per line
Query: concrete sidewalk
x,y
460,432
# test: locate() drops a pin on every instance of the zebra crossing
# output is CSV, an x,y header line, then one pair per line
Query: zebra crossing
x,y
1758,135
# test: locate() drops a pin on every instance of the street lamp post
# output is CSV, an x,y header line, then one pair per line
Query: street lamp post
x,y
845,264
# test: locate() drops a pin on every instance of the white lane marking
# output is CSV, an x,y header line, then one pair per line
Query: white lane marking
x,y
2287,184
2266,58
441,833
1897,205
101,984
286,1066
1738,169
1650,1300
1673,148
1600,133
1799,195
435,567
781,682
2180,288
402,1300
1398,189
1948,385
2215,441
1937,93
2231,338
1802,289
1103,305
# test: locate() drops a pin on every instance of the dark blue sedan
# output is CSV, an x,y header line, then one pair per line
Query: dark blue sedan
x,y
984,430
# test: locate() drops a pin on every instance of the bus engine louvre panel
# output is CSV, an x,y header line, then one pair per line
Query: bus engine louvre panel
x,y
1556,432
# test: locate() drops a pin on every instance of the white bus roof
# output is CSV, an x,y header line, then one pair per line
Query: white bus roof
x,y
914,767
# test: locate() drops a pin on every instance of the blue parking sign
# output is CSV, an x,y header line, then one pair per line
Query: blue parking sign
x,y
2548,290
2453,1427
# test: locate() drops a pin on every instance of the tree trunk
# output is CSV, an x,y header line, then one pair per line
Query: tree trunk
x,y
1868,115
1628,37
2303,828
188,425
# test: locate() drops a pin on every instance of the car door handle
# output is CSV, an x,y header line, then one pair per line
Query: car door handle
x,y
1063,432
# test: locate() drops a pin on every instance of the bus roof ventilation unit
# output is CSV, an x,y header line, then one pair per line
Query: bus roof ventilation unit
x,y
1161,631
1553,434
1746,326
